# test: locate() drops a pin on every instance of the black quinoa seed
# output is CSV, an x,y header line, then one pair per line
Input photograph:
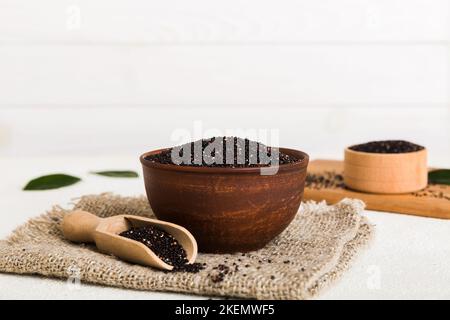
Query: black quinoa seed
x,y
219,273
387,146
165,246
324,180
246,153
217,277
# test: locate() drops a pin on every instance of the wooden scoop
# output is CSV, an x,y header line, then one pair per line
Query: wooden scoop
x,y
82,226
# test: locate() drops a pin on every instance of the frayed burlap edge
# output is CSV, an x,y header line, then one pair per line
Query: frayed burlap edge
x,y
311,254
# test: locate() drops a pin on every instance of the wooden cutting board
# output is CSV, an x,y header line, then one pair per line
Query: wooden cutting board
x,y
324,182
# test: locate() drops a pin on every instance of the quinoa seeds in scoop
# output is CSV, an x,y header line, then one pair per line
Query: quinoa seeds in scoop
x,y
164,245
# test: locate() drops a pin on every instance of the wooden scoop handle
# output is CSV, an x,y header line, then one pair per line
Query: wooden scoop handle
x,y
79,226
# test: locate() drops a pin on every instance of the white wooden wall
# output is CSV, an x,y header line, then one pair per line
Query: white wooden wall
x,y
117,77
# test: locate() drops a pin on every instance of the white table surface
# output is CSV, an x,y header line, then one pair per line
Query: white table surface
x,y
409,257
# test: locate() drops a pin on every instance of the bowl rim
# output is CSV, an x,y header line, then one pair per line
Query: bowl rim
x,y
302,164
375,154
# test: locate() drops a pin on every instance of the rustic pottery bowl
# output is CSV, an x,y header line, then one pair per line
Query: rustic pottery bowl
x,y
385,172
226,209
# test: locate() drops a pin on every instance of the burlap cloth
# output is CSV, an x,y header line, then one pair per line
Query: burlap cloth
x,y
312,253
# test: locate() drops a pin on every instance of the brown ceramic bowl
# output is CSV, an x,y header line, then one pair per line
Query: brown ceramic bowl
x,y
226,209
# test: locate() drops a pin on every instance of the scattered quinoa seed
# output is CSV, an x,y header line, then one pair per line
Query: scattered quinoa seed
x,y
324,180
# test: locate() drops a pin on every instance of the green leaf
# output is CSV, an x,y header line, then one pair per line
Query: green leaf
x,y
117,174
441,176
52,181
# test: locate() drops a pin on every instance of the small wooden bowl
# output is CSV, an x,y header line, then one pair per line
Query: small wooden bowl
x,y
386,172
226,209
